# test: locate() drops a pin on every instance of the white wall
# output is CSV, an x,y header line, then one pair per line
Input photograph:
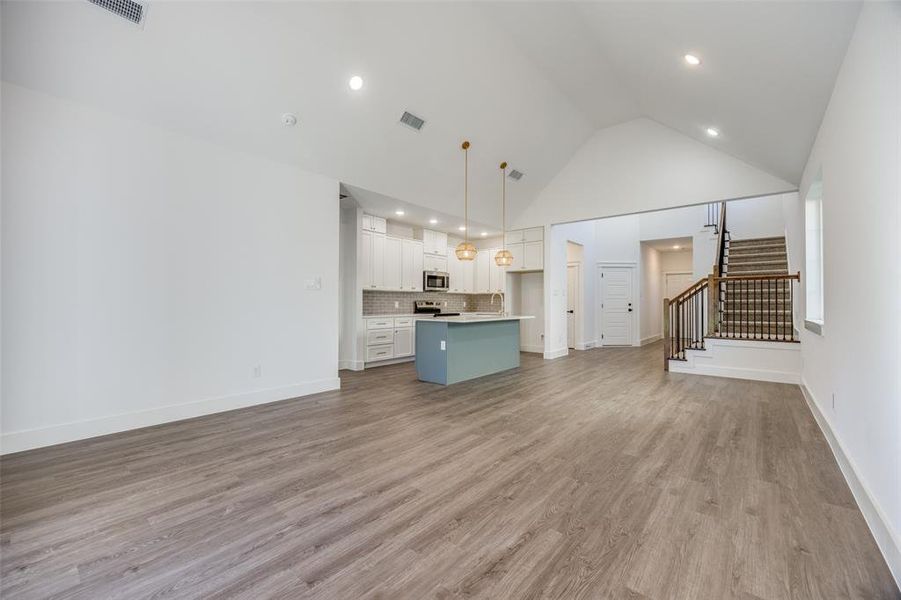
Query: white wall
x,y
755,218
651,302
857,360
350,353
639,166
145,275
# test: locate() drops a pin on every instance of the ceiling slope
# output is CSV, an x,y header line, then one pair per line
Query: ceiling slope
x,y
641,166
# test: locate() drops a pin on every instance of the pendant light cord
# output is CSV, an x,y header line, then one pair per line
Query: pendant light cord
x,y
503,206
466,191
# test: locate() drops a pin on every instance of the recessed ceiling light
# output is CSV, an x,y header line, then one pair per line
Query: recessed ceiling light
x,y
692,60
399,213
289,119
713,132
676,247
356,83
433,221
462,228
484,233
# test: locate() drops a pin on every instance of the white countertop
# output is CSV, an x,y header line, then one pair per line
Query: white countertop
x,y
480,318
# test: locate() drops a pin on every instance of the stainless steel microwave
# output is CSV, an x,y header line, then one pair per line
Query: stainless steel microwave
x,y
435,281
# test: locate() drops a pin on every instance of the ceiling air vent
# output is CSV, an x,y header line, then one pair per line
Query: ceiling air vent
x,y
127,9
515,175
412,121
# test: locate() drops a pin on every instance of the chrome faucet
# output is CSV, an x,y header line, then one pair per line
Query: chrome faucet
x,y
501,312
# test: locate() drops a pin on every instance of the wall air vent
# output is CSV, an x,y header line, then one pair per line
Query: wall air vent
x,y
127,9
515,175
412,121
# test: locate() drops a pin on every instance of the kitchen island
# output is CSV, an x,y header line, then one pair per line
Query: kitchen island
x,y
453,349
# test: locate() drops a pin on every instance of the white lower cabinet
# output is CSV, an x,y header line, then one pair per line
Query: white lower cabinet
x,y
403,342
389,337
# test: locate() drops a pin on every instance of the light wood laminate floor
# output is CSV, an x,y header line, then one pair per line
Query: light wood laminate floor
x,y
592,476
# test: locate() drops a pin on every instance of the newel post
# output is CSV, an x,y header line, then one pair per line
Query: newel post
x,y
666,336
713,306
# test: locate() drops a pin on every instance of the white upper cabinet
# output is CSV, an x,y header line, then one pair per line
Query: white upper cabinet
x,y
430,262
497,276
411,266
454,272
481,283
527,247
533,256
434,243
374,224
393,256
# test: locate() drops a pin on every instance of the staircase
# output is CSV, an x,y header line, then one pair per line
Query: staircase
x,y
738,320
754,303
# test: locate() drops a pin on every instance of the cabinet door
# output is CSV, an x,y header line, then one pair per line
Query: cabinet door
x,y
393,259
497,275
434,263
516,250
534,234
533,255
441,243
379,225
403,342
411,266
365,264
377,260
454,272
367,223
481,283
513,237
468,271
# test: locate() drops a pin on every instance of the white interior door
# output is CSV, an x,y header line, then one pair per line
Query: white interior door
x,y
676,283
572,293
617,306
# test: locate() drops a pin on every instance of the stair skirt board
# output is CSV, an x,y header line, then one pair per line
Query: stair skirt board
x,y
779,362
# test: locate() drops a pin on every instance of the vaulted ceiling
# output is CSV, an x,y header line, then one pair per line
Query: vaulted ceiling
x,y
526,82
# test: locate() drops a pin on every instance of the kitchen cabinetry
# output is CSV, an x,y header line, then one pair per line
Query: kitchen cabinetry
x,y
434,263
372,260
434,243
393,278
374,224
389,338
527,247
461,273
497,276
482,279
411,266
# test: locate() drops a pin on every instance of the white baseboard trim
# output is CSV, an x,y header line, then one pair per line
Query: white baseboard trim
x,y
650,339
350,365
18,441
390,361
678,366
531,348
556,353
888,541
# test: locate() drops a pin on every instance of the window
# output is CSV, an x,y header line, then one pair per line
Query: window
x,y
813,219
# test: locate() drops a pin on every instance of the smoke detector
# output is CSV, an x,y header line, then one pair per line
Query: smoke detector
x,y
289,119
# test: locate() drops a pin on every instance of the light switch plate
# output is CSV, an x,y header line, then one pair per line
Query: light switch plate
x,y
443,345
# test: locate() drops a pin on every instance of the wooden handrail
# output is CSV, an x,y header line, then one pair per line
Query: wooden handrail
x,y
795,276
689,291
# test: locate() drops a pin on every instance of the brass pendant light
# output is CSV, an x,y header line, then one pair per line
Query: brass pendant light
x,y
465,249
503,258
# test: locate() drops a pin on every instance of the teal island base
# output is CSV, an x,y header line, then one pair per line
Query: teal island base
x,y
449,351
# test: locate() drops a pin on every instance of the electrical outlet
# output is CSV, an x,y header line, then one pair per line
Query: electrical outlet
x,y
464,304
257,371
443,345
445,303
396,304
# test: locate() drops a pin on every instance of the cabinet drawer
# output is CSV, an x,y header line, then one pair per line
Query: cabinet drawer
x,y
386,323
379,336
383,352
403,322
